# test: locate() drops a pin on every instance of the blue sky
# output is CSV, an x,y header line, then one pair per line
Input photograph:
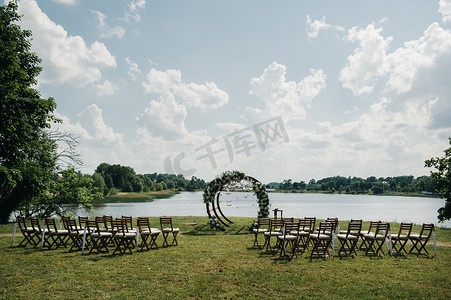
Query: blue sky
x,y
276,89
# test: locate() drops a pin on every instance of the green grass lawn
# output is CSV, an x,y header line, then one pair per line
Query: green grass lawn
x,y
210,264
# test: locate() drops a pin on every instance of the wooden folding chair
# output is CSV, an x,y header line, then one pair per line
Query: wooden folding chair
x,y
321,240
419,241
98,238
288,239
43,236
363,245
75,234
349,239
123,240
82,222
400,240
57,236
303,233
263,224
30,236
167,228
376,240
274,231
147,233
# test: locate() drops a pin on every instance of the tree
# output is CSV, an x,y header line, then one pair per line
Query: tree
x,y
442,179
27,155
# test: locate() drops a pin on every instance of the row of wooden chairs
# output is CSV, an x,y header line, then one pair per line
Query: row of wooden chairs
x,y
98,234
302,236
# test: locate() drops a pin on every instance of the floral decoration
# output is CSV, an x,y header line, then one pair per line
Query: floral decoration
x,y
216,186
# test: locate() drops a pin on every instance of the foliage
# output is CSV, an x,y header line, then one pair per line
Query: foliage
x,y
216,185
27,155
66,190
125,179
403,184
442,179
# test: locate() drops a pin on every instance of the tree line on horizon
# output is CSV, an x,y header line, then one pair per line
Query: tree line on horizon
x,y
404,184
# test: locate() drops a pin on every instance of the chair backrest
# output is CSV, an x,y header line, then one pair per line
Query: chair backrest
x,y
354,228
82,221
291,219
92,226
373,226
22,223
35,224
382,228
128,222
288,227
356,221
101,221
405,229
49,223
313,222
165,222
426,230
263,222
275,224
64,221
143,223
305,225
325,228
118,225
333,221
71,225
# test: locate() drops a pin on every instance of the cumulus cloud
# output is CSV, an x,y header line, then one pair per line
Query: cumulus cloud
x,y
98,141
205,96
91,119
106,88
282,97
66,59
445,10
406,62
106,30
314,26
164,118
133,69
367,63
370,61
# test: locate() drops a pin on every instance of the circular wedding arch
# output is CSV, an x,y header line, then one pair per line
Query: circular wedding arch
x,y
213,189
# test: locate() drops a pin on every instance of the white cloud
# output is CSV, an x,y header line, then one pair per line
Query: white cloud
x,y
405,63
106,88
367,63
164,118
205,96
133,10
98,141
91,119
281,97
445,10
314,26
65,59
370,62
133,69
106,30
68,2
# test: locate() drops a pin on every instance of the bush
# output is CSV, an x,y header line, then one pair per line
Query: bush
x,y
114,191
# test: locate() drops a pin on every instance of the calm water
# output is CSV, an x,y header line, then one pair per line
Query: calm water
x,y
345,207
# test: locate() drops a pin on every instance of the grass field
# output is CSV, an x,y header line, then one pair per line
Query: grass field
x,y
218,265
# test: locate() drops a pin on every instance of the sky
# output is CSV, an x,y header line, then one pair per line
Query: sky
x,y
276,89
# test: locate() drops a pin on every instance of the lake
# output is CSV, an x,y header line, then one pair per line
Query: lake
x,y
417,210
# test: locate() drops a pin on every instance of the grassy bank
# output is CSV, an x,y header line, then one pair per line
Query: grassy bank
x,y
136,197
210,264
